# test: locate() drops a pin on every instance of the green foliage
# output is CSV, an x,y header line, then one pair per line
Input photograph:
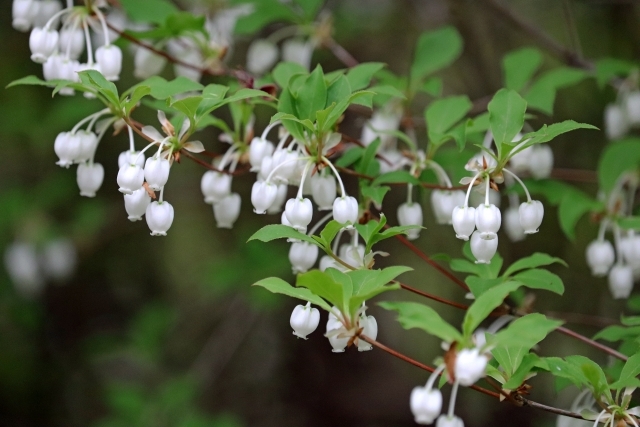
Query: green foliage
x,y
519,67
485,304
279,286
542,93
443,115
155,11
375,231
506,115
414,315
435,50
617,159
608,68
279,231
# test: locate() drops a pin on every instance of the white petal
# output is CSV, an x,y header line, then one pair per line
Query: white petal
x,y
186,124
194,146
152,133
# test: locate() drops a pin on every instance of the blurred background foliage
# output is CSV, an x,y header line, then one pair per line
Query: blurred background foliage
x,y
143,331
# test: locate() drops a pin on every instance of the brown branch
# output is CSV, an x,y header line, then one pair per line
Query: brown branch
x,y
341,53
577,175
592,343
433,297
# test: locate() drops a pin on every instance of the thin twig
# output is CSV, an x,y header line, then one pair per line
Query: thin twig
x,y
341,53
433,297
592,343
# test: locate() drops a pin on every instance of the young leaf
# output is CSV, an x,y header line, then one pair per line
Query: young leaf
x,y
573,206
312,95
532,261
524,369
547,133
478,285
537,278
369,283
509,358
349,157
360,76
154,11
506,115
435,50
279,231
608,68
283,72
485,304
629,223
618,158
525,331
279,286
338,90
443,114
630,371
163,89
413,315
329,232
519,66
323,285
542,93
618,333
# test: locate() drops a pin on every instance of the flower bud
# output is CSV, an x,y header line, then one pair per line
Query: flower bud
x,y
258,150
136,204
512,225
425,404
71,42
541,161
130,158
600,257
67,147
410,214
46,10
464,221
156,172
337,342
89,177
304,320
327,262
284,160
445,421
215,186
299,213
323,190
483,249
616,124
227,210
130,178
109,59
488,221
302,256
159,217
147,63
88,145
632,107
345,211
621,281
261,56
23,13
370,329
42,44
281,197
352,255
531,214
630,246
263,194
297,50
469,366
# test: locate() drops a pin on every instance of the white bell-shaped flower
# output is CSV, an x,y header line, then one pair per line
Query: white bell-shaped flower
x,y
67,70
621,281
109,58
512,225
478,198
147,63
299,213
227,210
258,150
261,56
43,43
630,247
130,178
326,262
488,221
159,217
323,190
445,421
521,161
541,161
345,211
263,194
469,366
352,255
46,10
616,123
382,122
130,158
59,259
281,197
89,177
483,249
463,219
136,204
51,67
370,329
304,320
67,147
410,214
71,41
632,107
297,50
156,172
337,342
88,145
600,257
302,256
531,214
215,186
23,14
443,202
21,263
425,404
284,220
284,160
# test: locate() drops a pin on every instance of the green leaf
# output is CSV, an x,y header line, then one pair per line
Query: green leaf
x,y
573,206
509,358
480,285
413,315
506,115
370,283
323,285
547,133
136,95
392,231
163,89
593,373
387,90
519,66
608,68
435,50
618,158
563,369
523,370
485,304
264,12
329,232
537,278
279,286
310,7
542,93
630,223
394,177
376,194
95,79
368,157
618,333
360,97
443,114
188,106
283,72
525,331
630,371
538,259
370,229
154,11
32,80
360,76
312,95
349,157
433,86
279,231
